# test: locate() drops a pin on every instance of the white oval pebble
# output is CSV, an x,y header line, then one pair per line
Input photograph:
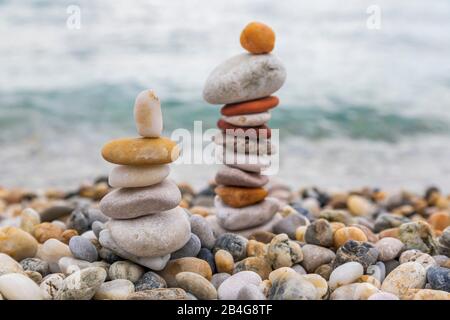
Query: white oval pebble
x,y
229,289
345,274
137,176
15,286
117,289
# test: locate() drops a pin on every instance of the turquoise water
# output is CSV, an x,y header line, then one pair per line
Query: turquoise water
x,y
359,107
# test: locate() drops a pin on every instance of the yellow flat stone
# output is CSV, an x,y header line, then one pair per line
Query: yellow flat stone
x,y
141,151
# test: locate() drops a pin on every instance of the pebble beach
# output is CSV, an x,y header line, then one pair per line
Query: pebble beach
x,y
137,234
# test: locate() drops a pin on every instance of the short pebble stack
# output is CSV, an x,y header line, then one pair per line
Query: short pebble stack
x,y
146,225
245,84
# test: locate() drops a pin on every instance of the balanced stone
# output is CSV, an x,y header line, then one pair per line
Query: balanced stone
x,y
238,197
128,203
154,263
257,38
249,107
245,145
244,77
153,235
235,177
138,176
141,151
147,114
246,217
248,120
254,132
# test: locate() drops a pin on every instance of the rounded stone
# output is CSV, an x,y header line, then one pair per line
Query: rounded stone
x,y
234,177
28,219
201,228
150,280
233,243
129,203
342,235
248,120
388,248
409,275
35,264
9,265
357,251
138,176
257,38
255,264
238,197
141,151
345,274
147,114
46,230
283,252
418,235
83,249
114,290
290,224
250,107
51,251
125,270
360,206
315,256
82,284
378,271
154,263
143,237
15,286
229,289
424,259
224,261
246,217
79,220
17,243
197,285
190,249
439,278
188,264
244,77
206,254
67,235
320,233
425,294
97,227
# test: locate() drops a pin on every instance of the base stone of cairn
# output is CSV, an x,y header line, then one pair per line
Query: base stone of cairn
x,y
147,224
245,84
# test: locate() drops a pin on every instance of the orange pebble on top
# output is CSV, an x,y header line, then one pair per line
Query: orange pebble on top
x,y
257,38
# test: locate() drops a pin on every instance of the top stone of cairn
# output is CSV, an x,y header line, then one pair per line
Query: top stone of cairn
x,y
147,114
257,38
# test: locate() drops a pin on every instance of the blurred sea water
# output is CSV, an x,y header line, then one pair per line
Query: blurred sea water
x,y
360,107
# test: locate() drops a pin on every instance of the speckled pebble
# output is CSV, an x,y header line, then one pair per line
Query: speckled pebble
x,y
125,270
233,243
35,264
150,280
283,252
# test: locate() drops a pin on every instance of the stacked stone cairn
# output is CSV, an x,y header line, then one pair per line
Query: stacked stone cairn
x,y
245,84
147,224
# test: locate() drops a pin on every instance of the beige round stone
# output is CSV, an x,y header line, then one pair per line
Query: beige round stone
x,y
224,261
197,285
153,235
17,243
15,286
138,176
118,289
410,275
